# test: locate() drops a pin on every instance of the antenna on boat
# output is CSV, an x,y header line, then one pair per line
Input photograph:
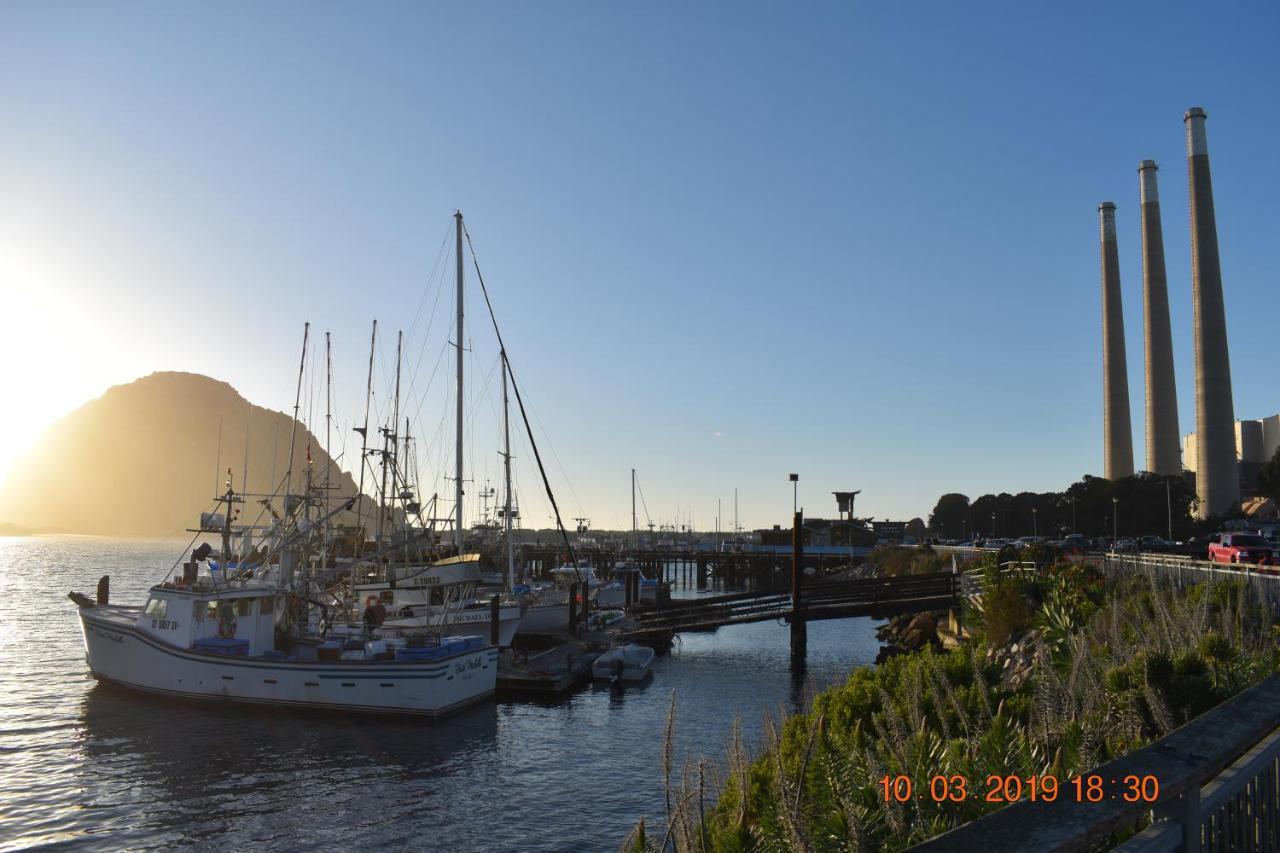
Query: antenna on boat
x,y
457,507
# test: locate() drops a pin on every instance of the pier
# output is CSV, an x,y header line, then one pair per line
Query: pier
x,y
834,600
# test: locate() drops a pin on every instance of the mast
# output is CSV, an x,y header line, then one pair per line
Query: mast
x,y
457,506
395,440
297,401
364,430
404,491
506,462
328,442
634,542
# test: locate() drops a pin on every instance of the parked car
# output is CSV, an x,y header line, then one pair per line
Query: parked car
x,y
1198,546
1155,545
1241,548
1074,543
1125,546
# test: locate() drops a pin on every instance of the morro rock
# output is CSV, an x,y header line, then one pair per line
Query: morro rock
x,y
145,459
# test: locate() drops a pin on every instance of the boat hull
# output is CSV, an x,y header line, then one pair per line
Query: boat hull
x,y
545,619
122,654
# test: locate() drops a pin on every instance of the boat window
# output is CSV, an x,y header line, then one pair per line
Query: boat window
x,y
437,596
242,606
156,608
211,611
266,605
197,611
387,596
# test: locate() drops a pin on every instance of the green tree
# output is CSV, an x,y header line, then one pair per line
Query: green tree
x,y
950,516
1269,478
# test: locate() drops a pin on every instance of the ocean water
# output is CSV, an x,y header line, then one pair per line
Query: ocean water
x,y
89,766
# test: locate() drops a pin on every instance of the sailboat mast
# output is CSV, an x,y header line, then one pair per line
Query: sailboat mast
x,y
506,460
328,442
395,424
457,506
634,542
364,430
297,403
328,408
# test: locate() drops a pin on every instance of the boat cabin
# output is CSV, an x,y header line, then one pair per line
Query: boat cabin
x,y
231,621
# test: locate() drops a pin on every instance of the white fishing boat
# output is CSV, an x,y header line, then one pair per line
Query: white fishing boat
x,y
438,598
627,664
204,637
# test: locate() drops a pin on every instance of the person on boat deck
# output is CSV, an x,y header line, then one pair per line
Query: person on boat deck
x,y
374,613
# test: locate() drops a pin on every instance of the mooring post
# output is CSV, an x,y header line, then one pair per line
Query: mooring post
x,y
702,573
627,579
495,614
799,632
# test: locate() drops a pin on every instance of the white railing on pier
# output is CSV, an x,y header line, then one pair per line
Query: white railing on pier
x,y
1263,581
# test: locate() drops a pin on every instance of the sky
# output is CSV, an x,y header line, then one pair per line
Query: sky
x,y
725,242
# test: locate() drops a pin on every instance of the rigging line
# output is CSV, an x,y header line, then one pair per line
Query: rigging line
x,y
445,347
640,489
426,336
515,386
441,254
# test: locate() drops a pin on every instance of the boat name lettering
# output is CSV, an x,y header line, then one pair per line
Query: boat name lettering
x,y
460,667
164,624
427,581
115,638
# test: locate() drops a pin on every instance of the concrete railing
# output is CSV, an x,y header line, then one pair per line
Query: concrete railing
x,y
1217,787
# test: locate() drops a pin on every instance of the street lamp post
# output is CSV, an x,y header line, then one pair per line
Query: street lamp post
x,y
1035,522
795,487
993,525
1168,504
1073,515
1115,520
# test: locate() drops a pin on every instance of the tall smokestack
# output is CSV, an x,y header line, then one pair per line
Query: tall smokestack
x,y
1117,431
1217,480
1164,453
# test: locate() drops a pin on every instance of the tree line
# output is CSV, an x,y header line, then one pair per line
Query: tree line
x,y
1144,504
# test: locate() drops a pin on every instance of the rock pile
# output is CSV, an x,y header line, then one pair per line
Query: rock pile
x,y
907,633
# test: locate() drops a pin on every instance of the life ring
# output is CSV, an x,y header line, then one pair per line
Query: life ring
x,y
227,627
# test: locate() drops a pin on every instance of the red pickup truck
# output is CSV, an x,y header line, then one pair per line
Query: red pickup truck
x,y
1241,548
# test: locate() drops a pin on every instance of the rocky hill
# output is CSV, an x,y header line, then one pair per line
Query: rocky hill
x,y
143,459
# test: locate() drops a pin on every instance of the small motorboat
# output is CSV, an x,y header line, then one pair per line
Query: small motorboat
x,y
627,664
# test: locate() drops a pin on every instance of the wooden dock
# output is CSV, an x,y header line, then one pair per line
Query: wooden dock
x,y
547,673
860,597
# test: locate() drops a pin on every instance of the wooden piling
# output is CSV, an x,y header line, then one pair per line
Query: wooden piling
x,y
799,631
495,616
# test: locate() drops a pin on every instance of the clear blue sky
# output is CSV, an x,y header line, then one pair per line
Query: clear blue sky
x,y
856,241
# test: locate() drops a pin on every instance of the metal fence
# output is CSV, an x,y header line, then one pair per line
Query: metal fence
x,y
1263,582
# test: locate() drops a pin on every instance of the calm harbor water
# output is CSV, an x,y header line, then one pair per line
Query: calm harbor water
x,y
88,766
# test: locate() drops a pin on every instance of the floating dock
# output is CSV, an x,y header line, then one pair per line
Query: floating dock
x,y
545,673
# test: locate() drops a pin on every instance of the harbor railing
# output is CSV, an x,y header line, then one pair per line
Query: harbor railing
x,y
1217,788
